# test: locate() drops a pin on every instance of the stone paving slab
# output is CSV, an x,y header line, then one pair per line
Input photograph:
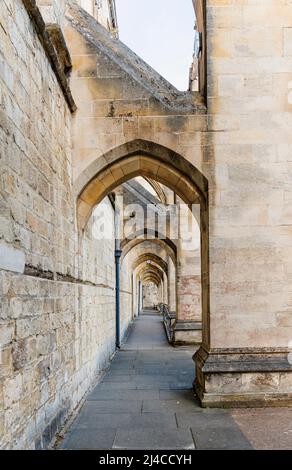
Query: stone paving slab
x,y
111,406
187,394
199,420
123,367
134,377
220,438
149,439
145,379
88,439
268,429
102,421
179,386
119,372
146,401
99,394
150,406
119,379
110,421
154,386
120,386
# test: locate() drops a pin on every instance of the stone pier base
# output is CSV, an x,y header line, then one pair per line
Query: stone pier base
x,y
187,333
243,378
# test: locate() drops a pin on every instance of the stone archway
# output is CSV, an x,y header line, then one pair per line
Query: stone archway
x,y
149,235
138,158
153,273
148,159
153,258
160,254
152,277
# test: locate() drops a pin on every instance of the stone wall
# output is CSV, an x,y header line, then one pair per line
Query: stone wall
x,y
56,320
249,68
56,337
248,158
57,288
36,205
151,296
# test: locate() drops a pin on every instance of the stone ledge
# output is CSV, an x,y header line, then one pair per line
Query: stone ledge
x,y
57,54
248,400
187,325
243,360
187,333
243,377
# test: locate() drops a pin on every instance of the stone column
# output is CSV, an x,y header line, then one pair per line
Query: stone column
x,y
188,325
171,286
133,282
245,358
165,289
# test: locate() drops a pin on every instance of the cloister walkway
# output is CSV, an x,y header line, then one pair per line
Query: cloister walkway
x,y
145,401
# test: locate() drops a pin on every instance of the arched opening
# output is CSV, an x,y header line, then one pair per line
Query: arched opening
x,y
155,237
150,258
149,160
138,158
152,272
156,253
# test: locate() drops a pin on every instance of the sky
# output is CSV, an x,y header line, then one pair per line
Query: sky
x,y
162,33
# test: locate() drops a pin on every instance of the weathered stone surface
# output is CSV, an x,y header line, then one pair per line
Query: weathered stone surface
x,y
57,329
187,332
11,259
53,318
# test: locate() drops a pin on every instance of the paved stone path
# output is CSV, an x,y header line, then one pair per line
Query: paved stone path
x,y
145,401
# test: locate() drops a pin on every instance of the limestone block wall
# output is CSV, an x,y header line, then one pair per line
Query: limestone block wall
x,y
55,338
56,321
126,297
249,105
88,5
248,163
97,257
97,266
189,267
36,209
171,286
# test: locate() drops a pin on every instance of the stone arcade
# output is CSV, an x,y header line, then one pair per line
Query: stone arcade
x,y
84,122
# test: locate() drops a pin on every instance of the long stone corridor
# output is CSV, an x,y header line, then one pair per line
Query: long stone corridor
x,y
145,401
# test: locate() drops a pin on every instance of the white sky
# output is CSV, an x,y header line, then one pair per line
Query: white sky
x,y
162,33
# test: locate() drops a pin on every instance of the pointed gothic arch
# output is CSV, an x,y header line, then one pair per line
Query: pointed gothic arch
x,y
148,159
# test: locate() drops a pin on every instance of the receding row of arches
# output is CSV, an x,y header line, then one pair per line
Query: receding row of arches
x,y
154,261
